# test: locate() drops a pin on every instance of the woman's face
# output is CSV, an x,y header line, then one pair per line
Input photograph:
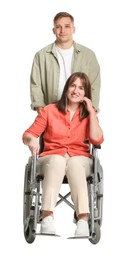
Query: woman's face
x,y
76,92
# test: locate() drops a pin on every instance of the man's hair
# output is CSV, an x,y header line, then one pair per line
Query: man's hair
x,y
61,15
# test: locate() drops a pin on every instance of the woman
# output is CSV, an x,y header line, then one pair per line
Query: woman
x,y
68,126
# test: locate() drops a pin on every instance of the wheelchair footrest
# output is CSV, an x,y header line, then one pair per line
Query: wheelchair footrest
x,y
44,234
78,237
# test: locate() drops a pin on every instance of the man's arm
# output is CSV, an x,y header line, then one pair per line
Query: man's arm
x,y
36,93
95,81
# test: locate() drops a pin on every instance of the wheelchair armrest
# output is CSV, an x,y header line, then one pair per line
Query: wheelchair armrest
x,y
94,149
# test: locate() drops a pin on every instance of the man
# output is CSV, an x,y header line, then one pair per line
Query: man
x,y
54,63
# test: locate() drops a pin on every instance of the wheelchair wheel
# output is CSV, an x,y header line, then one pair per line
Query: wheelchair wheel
x,y
26,194
97,234
101,212
29,233
28,222
100,195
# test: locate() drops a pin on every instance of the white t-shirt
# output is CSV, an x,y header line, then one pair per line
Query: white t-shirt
x,y
65,60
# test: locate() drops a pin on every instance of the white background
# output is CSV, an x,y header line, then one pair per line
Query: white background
x,y
26,27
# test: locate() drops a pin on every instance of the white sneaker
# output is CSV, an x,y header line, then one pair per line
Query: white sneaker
x,y
82,229
47,226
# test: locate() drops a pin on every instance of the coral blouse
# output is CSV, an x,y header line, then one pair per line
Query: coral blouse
x,y
61,135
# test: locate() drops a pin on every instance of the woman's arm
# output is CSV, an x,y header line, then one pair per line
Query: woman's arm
x,y
31,135
95,129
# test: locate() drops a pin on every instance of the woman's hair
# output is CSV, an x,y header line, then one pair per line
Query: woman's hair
x,y
61,15
62,103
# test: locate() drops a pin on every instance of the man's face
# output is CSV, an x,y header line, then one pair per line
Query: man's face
x,y
64,29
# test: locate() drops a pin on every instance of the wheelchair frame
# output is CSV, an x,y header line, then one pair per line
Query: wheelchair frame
x,y
32,199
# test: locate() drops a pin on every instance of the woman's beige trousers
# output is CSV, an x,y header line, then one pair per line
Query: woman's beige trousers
x,y
54,168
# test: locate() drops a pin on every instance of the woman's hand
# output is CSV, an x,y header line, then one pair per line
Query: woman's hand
x,y
34,145
88,104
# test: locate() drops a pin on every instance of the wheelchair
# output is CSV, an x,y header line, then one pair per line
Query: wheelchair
x,y
32,199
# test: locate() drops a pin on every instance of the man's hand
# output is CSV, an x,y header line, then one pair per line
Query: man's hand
x,y
38,109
